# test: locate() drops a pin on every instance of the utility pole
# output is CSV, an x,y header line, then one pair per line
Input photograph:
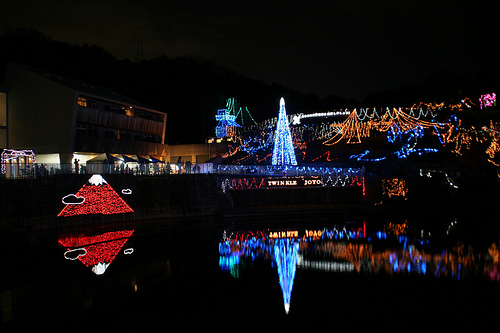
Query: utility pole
x,y
141,38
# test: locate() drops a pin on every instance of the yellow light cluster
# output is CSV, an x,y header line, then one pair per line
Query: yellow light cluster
x,y
353,130
494,146
462,139
459,137
462,105
395,187
403,122
397,229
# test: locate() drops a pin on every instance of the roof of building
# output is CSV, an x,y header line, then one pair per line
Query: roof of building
x,y
89,89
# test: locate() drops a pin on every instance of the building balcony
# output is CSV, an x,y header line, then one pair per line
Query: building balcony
x,y
114,146
119,121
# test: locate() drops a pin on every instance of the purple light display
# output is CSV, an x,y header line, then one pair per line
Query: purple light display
x,y
487,100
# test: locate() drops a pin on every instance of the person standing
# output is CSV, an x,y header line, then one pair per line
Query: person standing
x,y
179,165
76,161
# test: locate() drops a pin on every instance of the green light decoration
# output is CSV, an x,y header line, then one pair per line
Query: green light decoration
x,y
240,113
231,117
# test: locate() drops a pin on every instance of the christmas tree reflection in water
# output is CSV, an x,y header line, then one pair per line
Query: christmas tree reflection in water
x,y
286,251
354,248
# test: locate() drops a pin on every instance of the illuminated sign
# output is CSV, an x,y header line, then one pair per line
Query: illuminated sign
x,y
294,233
308,182
313,233
284,234
294,182
284,182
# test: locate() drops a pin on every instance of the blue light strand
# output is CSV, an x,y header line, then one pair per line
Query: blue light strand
x,y
286,251
283,151
407,260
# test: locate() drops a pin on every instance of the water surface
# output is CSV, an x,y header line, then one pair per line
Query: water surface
x,y
253,274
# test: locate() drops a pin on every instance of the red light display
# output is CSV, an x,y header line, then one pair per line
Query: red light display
x,y
326,155
99,250
99,198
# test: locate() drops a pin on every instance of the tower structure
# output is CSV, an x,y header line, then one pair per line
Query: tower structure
x,y
226,121
283,151
231,117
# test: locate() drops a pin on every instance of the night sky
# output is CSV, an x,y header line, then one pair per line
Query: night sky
x,y
344,48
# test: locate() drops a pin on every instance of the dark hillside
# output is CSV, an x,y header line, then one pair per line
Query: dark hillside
x,y
189,90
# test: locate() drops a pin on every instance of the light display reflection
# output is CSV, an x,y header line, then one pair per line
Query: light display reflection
x,y
285,254
352,248
96,251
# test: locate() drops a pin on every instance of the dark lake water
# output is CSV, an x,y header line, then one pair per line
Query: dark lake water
x,y
260,274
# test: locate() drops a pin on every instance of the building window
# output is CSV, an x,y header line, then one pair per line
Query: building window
x,y
113,134
142,137
148,115
86,130
114,108
124,135
92,103
82,101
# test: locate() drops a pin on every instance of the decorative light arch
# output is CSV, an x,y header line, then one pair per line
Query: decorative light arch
x,y
11,154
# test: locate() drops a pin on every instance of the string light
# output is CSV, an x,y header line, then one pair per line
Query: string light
x,y
461,139
283,151
397,229
405,125
296,118
243,183
327,156
12,154
275,170
98,198
361,157
98,251
487,100
285,255
225,119
346,248
394,187
232,106
428,174
351,129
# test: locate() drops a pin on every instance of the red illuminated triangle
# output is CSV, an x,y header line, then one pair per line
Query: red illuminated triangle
x,y
97,197
99,250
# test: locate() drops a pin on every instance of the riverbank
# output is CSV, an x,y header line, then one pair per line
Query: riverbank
x,y
33,204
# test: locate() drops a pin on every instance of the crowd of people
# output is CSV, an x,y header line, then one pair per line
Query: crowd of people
x,y
36,170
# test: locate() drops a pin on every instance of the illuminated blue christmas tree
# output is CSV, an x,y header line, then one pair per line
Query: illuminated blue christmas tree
x,y
283,152
286,251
